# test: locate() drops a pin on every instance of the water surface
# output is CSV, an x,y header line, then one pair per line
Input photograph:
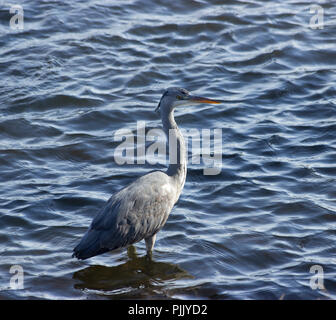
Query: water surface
x,y
80,70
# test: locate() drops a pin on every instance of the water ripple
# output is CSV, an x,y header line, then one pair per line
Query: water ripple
x,y
79,71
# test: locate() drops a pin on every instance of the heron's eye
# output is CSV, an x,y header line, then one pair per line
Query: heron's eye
x,y
179,97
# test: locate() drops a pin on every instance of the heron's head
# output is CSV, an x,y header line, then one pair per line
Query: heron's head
x,y
176,97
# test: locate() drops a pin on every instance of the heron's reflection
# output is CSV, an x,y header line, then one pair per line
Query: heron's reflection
x,y
137,273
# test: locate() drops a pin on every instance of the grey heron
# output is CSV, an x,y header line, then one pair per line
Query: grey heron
x,y
141,209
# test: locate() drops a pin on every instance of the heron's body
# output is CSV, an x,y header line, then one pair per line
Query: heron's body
x,y
141,209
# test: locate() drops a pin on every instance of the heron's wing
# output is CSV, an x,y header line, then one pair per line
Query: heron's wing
x,y
134,213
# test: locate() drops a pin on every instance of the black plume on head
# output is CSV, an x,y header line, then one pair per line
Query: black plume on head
x,y
158,107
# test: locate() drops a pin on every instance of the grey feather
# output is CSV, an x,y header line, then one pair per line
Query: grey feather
x,y
132,214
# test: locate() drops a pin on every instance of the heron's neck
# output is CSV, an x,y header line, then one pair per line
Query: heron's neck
x,y
177,152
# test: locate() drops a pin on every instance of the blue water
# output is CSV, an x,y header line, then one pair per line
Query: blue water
x,y
81,70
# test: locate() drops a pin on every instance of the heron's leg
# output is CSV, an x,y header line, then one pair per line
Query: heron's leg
x,y
150,243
